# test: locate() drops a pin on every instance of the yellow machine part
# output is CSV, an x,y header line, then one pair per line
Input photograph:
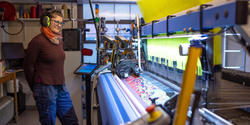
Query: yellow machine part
x,y
187,86
157,9
217,47
154,116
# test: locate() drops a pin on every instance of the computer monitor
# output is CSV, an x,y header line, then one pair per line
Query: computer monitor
x,y
13,51
71,39
13,55
84,69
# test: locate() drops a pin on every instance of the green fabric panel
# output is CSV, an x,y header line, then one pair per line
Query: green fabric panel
x,y
168,48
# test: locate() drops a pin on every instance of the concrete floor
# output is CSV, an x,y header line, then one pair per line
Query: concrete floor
x,y
28,117
31,117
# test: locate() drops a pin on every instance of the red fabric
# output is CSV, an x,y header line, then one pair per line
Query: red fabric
x,y
9,12
33,12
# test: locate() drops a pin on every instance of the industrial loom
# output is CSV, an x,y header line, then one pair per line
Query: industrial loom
x,y
177,73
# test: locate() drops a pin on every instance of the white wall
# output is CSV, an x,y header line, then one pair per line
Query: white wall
x,y
3,36
73,82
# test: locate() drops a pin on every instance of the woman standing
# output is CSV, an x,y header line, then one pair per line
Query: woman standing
x,y
44,71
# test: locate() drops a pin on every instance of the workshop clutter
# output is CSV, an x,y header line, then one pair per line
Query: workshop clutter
x,y
36,10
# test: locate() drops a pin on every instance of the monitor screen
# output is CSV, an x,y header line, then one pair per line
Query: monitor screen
x,y
13,50
71,39
86,69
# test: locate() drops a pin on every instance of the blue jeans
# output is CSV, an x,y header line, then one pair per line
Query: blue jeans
x,y
52,101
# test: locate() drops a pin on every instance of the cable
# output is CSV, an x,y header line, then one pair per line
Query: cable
x,y
2,26
210,36
97,32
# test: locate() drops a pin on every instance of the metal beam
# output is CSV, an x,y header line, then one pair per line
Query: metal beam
x,y
229,14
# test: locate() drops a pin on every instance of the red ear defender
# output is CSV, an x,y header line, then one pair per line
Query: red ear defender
x,y
87,52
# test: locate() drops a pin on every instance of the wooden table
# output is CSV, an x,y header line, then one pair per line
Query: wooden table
x,y
5,78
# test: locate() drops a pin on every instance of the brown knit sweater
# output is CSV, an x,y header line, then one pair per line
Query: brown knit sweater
x,y
44,62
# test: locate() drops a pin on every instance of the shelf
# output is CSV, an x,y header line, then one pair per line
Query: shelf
x,y
28,19
38,19
41,2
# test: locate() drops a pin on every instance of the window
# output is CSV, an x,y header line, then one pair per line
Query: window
x,y
107,11
110,29
122,12
124,31
93,58
134,11
87,12
113,11
91,35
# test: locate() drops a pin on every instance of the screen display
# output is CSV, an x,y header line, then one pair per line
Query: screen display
x,y
71,39
86,69
13,50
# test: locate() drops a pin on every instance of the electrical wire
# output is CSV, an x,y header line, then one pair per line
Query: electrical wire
x,y
22,25
97,33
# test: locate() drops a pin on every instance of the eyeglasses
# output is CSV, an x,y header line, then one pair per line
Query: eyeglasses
x,y
58,22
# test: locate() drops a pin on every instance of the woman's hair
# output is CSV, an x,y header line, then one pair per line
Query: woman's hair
x,y
51,14
55,12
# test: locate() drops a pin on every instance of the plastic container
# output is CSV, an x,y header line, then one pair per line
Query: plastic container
x,y
38,10
17,14
65,11
10,86
21,11
33,12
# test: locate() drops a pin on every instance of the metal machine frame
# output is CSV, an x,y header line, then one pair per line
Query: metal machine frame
x,y
115,103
